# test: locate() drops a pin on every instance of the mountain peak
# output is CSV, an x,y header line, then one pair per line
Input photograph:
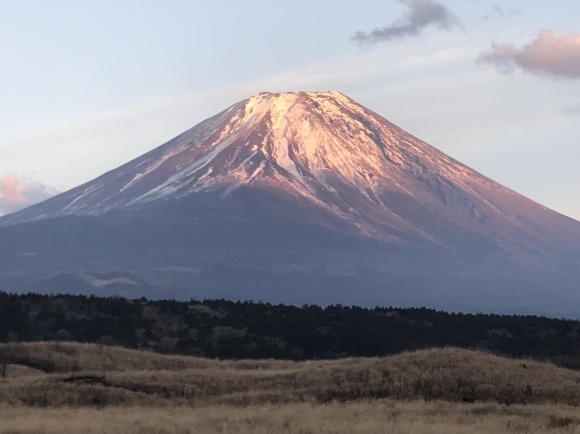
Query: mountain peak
x,y
310,94
307,191
321,150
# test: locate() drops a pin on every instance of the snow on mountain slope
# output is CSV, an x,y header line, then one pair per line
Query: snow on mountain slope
x,y
301,197
323,149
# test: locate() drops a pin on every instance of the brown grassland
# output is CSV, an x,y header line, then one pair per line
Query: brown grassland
x,y
49,388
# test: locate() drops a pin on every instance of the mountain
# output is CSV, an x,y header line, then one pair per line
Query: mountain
x,y
301,197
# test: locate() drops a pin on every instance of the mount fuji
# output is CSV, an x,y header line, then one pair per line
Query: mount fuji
x,y
303,197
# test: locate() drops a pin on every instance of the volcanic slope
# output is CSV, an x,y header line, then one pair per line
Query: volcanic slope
x,y
305,197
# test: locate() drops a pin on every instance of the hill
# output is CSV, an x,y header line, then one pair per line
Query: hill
x,y
64,388
66,374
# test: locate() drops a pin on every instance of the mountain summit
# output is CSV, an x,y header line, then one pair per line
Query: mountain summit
x,y
323,187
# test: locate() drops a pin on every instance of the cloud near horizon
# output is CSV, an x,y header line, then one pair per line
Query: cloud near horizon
x,y
548,54
420,15
18,192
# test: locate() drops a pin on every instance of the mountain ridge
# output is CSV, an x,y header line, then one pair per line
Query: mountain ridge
x,y
315,163
289,166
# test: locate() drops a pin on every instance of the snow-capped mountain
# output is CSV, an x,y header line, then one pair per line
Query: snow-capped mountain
x,y
308,160
321,148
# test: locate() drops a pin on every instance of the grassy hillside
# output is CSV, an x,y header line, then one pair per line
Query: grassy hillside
x,y
57,374
66,388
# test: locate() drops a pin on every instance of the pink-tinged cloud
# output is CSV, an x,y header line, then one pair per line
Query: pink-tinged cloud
x,y
548,54
19,192
11,190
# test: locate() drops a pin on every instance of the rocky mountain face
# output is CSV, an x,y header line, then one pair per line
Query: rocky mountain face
x,y
299,197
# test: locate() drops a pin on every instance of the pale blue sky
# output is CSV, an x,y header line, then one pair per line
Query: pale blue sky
x,y
87,85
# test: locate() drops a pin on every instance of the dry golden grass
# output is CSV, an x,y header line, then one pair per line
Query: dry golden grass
x,y
382,416
91,375
67,388
71,356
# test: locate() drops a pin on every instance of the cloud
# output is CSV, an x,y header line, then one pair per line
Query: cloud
x,y
11,190
18,192
548,54
420,15
503,11
508,11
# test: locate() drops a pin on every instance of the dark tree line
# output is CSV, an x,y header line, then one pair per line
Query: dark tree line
x,y
227,329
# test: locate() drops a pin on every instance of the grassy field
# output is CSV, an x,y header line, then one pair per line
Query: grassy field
x,y
366,417
67,387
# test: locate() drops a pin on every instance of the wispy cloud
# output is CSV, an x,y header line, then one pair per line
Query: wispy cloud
x,y
548,54
18,192
507,11
503,11
420,15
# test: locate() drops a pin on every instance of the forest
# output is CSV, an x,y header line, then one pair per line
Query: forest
x,y
249,330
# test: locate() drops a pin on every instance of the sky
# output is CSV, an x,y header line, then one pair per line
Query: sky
x,y
86,86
